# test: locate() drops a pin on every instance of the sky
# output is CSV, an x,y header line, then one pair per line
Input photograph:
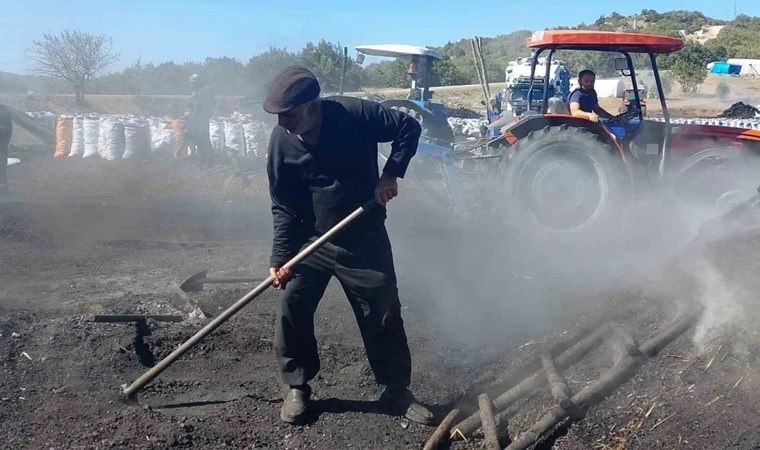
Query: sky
x,y
190,30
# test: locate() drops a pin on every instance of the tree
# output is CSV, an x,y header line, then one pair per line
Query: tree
x,y
688,66
689,75
226,76
263,67
446,73
75,56
325,60
388,74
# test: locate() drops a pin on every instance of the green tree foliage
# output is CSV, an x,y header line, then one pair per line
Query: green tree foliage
x,y
688,66
325,59
229,76
391,74
739,38
692,53
446,73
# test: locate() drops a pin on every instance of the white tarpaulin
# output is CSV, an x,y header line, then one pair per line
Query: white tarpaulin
x,y
749,66
613,88
91,130
46,118
77,137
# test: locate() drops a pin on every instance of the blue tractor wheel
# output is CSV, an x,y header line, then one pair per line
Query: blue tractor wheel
x,y
435,127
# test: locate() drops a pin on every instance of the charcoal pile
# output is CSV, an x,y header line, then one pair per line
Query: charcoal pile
x,y
740,110
463,113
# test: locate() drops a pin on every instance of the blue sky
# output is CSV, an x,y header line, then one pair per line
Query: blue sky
x,y
162,30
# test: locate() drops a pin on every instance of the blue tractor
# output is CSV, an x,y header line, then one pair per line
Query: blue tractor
x,y
436,146
418,102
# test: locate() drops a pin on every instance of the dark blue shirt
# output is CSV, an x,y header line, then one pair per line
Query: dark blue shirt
x,y
587,99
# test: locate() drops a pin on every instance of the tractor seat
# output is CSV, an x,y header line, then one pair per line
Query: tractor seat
x,y
555,105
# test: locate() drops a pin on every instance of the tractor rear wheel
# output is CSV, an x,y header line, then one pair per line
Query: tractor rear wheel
x,y
562,183
435,130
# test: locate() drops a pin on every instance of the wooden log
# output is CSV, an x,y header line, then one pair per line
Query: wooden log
x,y
533,382
628,342
442,430
493,384
559,389
654,345
597,391
489,422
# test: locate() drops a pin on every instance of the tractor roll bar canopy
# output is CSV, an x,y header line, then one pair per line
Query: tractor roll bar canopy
x,y
397,50
609,41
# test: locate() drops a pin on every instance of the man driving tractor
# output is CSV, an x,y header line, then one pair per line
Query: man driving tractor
x,y
583,100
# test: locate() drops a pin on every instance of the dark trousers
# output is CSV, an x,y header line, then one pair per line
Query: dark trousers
x,y
199,139
366,273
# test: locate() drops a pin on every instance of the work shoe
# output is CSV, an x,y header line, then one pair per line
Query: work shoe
x,y
294,408
402,401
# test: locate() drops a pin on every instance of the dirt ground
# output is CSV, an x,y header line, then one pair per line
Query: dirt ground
x,y
80,238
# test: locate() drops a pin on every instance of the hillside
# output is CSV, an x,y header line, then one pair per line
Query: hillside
x,y
718,38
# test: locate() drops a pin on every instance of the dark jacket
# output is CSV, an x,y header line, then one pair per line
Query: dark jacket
x,y
313,187
202,106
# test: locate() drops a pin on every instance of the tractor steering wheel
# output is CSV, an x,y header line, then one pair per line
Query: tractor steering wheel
x,y
625,117
630,113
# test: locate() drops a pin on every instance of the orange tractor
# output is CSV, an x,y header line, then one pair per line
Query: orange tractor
x,y
560,176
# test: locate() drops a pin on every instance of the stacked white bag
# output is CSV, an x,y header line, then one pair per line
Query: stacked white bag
x,y
162,139
112,140
91,135
77,137
251,132
234,136
216,132
136,139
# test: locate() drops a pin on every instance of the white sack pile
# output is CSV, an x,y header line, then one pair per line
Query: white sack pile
x,y
115,137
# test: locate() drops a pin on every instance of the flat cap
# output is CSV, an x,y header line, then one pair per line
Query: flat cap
x,y
292,87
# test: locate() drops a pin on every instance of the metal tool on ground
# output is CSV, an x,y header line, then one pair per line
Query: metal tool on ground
x,y
120,318
155,371
195,282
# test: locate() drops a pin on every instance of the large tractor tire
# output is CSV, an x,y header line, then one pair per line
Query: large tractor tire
x,y
707,175
434,128
562,184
